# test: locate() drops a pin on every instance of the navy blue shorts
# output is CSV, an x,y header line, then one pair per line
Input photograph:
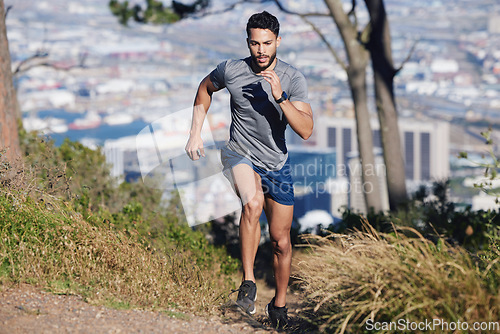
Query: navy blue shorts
x,y
278,185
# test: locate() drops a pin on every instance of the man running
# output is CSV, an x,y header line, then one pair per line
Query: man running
x,y
267,94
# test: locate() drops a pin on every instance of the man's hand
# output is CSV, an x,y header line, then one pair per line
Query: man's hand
x,y
194,148
273,79
298,114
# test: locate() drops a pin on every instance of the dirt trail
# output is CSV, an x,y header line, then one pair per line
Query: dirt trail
x,y
26,309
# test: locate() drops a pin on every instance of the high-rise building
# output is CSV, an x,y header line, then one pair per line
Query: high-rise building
x,y
425,149
494,24
425,145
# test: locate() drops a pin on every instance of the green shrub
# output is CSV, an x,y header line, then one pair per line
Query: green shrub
x,y
434,218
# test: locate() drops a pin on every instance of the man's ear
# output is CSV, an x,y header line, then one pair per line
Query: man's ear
x,y
278,41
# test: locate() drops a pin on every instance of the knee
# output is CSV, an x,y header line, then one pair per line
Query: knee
x,y
253,207
282,244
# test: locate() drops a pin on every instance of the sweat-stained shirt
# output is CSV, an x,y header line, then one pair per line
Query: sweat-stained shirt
x,y
258,124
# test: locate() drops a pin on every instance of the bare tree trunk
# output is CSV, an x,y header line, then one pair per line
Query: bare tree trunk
x,y
371,188
9,137
356,72
379,46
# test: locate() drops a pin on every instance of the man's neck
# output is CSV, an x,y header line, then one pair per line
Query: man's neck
x,y
257,69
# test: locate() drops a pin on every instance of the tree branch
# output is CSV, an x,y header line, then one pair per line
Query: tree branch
x,y
410,53
51,65
277,2
328,45
316,29
353,8
7,11
19,69
352,13
227,9
287,11
38,54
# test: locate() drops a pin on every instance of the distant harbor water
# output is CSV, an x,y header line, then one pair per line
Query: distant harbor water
x,y
96,135
101,133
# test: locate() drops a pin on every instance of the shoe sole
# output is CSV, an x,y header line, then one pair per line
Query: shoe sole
x,y
252,312
254,308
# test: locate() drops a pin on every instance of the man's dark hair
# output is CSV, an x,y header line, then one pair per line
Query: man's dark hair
x,y
263,20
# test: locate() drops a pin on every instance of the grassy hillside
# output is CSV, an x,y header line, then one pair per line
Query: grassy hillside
x,y
65,225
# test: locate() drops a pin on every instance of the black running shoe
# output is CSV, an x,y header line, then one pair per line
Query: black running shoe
x,y
247,295
277,315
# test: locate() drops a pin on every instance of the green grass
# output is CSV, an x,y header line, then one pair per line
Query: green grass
x,y
178,315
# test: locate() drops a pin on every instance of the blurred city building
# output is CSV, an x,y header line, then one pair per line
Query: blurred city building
x,y
425,145
425,149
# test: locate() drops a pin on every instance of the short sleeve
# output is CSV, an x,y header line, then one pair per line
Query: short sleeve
x,y
217,76
298,88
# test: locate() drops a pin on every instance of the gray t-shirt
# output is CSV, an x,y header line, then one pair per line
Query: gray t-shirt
x,y
258,123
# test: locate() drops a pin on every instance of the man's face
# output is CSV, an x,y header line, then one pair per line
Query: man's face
x,y
262,44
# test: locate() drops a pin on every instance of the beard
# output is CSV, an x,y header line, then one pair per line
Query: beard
x,y
263,66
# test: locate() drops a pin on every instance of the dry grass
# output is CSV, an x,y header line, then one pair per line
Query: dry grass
x,y
62,251
367,276
44,241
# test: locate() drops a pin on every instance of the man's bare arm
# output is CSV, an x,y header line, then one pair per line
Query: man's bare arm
x,y
202,101
299,116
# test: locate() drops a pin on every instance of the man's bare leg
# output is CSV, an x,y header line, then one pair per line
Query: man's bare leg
x,y
249,189
280,217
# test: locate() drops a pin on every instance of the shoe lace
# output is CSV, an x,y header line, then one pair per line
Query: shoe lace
x,y
243,290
